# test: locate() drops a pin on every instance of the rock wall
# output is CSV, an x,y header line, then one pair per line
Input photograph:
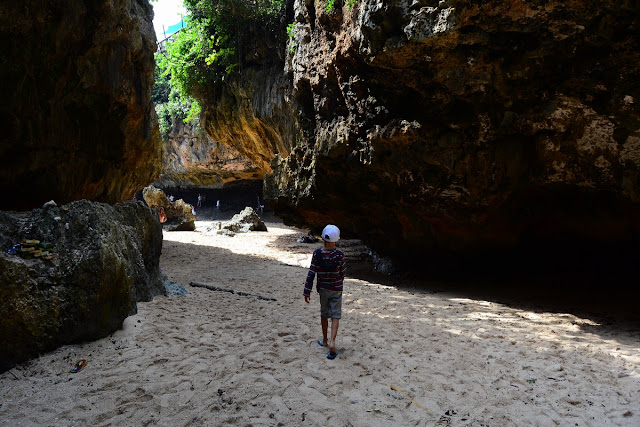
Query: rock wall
x,y
465,129
192,159
77,118
107,259
251,113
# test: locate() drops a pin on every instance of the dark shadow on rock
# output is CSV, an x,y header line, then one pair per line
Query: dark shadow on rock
x,y
183,226
233,197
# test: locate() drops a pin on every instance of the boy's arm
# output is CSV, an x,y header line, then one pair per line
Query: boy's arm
x,y
342,267
308,284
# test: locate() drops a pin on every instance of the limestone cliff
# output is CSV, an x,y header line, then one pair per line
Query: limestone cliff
x,y
251,112
246,120
77,118
192,159
466,127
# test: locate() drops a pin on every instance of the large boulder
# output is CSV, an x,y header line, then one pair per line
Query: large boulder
x,y
243,222
77,118
179,213
106,259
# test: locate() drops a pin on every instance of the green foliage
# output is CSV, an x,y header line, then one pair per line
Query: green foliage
x,y
185,59
207,50
211,46
330,5
171,104
161,87
291,32
176,108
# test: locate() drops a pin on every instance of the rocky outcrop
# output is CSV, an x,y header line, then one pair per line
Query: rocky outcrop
x,y
77,118
192,159
179,214
243,222
463,130
107,259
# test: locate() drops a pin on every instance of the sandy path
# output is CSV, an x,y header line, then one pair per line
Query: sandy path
x,y
215,358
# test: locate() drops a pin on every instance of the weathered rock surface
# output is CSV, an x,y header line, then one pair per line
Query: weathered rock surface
x,y
192,159
251,113
77,117
179,213
247,120
107,260
243,222
462,130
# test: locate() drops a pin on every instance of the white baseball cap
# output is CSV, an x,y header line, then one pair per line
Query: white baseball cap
x,y
331,233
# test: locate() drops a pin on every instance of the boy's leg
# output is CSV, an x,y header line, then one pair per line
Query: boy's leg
x,y
325,329
334,333
336,313
324,315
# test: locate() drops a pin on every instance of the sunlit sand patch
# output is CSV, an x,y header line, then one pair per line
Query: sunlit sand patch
x,y
262,243
467,300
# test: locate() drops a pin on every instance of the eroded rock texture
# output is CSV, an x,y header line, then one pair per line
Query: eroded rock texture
x,y
192,159
76,114
107,260
178,213
251,112
466,128
245,221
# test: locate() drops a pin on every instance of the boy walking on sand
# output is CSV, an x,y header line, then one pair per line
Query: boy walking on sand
x,y
328,262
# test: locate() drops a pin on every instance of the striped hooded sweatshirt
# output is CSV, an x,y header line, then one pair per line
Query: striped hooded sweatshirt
x,y
331,268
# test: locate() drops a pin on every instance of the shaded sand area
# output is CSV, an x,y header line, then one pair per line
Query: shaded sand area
x,y
429,355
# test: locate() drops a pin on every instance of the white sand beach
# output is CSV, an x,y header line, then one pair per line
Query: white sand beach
x,y
409,355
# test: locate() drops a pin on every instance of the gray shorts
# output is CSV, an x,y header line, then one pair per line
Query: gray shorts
x,y
330,304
